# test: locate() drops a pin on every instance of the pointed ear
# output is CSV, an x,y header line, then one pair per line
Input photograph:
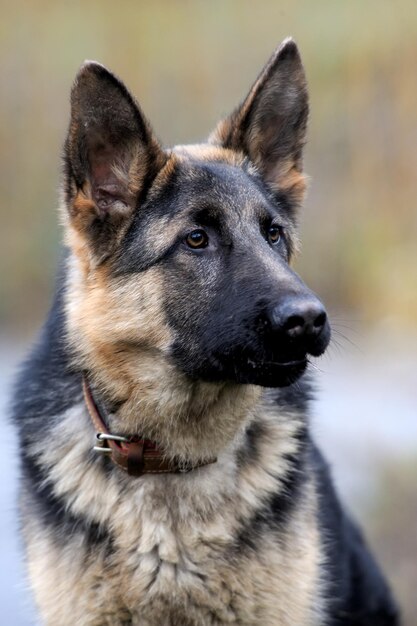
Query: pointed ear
x,y
111,156
270,125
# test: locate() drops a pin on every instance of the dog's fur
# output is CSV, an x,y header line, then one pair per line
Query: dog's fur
x,y
177,345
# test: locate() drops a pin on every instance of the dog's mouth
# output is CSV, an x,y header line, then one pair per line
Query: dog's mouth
x,y
252,370
270,373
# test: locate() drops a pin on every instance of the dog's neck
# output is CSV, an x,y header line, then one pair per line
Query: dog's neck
x,y
145,391
190,420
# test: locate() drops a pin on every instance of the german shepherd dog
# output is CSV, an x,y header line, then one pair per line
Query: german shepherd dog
x,y
168,473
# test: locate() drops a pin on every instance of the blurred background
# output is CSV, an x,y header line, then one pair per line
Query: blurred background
x,y
189,63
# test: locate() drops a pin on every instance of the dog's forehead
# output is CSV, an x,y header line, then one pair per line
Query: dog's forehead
x,y
218,178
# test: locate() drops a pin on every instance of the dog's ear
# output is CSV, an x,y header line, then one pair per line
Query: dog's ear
x,y
111,156
270,125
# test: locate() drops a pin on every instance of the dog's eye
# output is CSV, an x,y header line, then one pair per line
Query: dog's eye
x,y
274,234
197,239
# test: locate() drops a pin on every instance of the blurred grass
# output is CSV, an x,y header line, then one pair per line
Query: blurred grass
x,y
189,63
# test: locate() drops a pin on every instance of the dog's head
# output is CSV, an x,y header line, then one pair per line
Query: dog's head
x,y
181,257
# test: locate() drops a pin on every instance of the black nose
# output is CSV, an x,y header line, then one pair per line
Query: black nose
x,y
299,317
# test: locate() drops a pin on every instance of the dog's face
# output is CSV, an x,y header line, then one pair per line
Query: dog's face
x,y
184,254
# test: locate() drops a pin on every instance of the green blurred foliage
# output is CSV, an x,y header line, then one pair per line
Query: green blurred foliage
x,y
189,63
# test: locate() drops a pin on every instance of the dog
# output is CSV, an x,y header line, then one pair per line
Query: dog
x,y
169,477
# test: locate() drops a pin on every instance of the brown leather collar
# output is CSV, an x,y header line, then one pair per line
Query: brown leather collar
x,y
131,454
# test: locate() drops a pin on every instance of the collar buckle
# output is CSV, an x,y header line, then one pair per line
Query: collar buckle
x,y
134,455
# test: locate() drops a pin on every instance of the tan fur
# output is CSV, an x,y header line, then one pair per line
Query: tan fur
x,y
172,559
209,152
289,180
118,330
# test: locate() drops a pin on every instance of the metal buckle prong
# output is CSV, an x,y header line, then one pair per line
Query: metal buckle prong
x,y
104,436
102,450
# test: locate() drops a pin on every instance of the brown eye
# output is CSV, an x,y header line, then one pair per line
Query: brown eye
x,y
197,239
274,234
